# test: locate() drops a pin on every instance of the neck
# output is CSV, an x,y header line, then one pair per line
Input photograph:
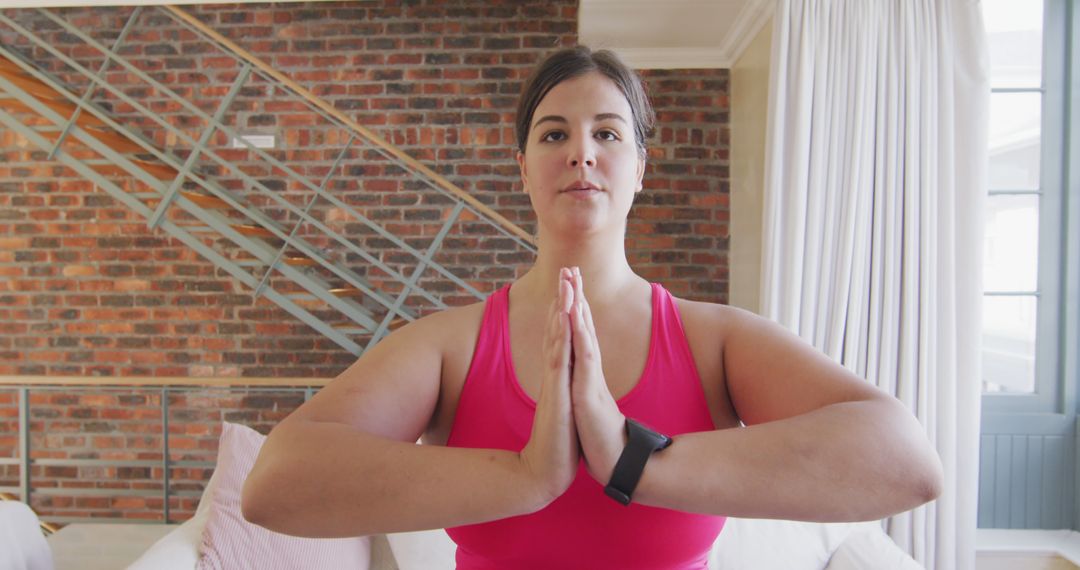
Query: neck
x,y
605,272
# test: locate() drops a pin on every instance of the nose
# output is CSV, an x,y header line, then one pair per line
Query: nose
x,y
582,154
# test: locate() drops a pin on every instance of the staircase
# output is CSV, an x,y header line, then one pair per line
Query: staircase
x,y
312,244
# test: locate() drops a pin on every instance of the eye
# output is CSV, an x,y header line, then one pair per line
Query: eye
x,y
607,135
553,136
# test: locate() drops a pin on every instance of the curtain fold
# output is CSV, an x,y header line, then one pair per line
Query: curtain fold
x,y
872,220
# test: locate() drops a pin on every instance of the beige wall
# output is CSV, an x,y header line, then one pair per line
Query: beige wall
x,y
749,106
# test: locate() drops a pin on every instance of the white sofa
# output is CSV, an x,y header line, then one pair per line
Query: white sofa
x,y
218,528
744,544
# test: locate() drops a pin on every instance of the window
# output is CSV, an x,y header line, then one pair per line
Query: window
x,y
1028,445
1022,243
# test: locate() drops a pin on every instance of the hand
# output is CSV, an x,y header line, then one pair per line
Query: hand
x,y
601,427
552,454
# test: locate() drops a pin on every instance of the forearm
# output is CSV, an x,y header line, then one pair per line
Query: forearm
x,y
844,462
327,480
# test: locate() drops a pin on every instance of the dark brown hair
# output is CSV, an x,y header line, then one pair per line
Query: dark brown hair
x,y
572,62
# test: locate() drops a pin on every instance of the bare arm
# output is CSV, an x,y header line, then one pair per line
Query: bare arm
x,y
821,444
345,463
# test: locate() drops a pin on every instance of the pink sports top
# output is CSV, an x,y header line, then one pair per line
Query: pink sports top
x,y
583,528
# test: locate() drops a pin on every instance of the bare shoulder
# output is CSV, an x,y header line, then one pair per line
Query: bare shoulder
x,y
770,372
713,319
457,330
394,388
445,328
704,325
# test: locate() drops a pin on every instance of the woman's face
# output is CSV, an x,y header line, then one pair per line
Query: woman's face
x,y
581,166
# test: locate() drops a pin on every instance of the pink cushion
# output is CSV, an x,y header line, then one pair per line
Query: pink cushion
x,y
230,542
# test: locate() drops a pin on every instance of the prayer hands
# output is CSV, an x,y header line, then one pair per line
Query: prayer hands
x,y
601,427
552,454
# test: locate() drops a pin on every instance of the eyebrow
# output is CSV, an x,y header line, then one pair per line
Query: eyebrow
x,y
560,119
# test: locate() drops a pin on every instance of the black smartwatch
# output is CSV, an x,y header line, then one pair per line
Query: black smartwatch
x,y
641,443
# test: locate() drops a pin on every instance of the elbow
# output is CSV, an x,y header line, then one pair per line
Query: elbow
x,y
261,506
253,504
924,480
933,480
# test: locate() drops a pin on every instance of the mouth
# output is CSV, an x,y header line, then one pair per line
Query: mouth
x,y
581,186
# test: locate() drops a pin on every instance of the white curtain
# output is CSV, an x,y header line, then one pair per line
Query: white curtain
x,y
874,189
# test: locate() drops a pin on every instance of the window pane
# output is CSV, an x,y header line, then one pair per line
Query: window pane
x,y
1009,344
1014,32
1015,126
1011,244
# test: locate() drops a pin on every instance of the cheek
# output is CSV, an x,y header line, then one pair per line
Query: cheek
x,y
542,166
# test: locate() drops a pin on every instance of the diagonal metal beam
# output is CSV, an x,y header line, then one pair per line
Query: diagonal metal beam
x,y
420,267
307,209
181,234
200,147
92,88
292,174
257,217
320,290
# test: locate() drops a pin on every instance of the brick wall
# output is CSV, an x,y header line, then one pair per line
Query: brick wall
x,y
87,289
75,430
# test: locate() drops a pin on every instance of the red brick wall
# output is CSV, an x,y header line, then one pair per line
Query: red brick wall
x,y
69,425
87,289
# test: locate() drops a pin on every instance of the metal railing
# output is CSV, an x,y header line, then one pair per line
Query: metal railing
x,y
27,456
294,250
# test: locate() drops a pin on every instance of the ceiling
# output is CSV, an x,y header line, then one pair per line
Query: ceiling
x,y
652,34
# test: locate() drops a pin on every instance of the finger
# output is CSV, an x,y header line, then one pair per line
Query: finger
x,y
551,338
566,294
563,347
589,322
588,329
566,326
584,347
579,291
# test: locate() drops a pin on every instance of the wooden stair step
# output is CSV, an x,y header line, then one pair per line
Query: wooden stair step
x,y
115,140
62,108
300,261
291,261
32,85
254,231
206,201
157,170
8,65
111,139
12,67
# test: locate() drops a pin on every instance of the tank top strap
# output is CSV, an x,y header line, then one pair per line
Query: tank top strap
x,y
670,334
670,393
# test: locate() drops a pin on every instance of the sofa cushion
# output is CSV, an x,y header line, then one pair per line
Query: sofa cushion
x,y
765,544
230,542
423,550
22,545
871,549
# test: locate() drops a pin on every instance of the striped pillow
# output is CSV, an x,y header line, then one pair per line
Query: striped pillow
x,y
230,542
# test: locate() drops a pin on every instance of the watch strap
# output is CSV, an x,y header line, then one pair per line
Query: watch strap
x,y
641,443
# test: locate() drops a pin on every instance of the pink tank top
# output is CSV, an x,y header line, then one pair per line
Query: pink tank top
x,y
583,528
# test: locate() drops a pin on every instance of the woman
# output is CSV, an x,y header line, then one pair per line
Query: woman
x,y
540,407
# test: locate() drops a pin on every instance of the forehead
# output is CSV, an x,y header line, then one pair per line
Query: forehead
x,y
590,94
